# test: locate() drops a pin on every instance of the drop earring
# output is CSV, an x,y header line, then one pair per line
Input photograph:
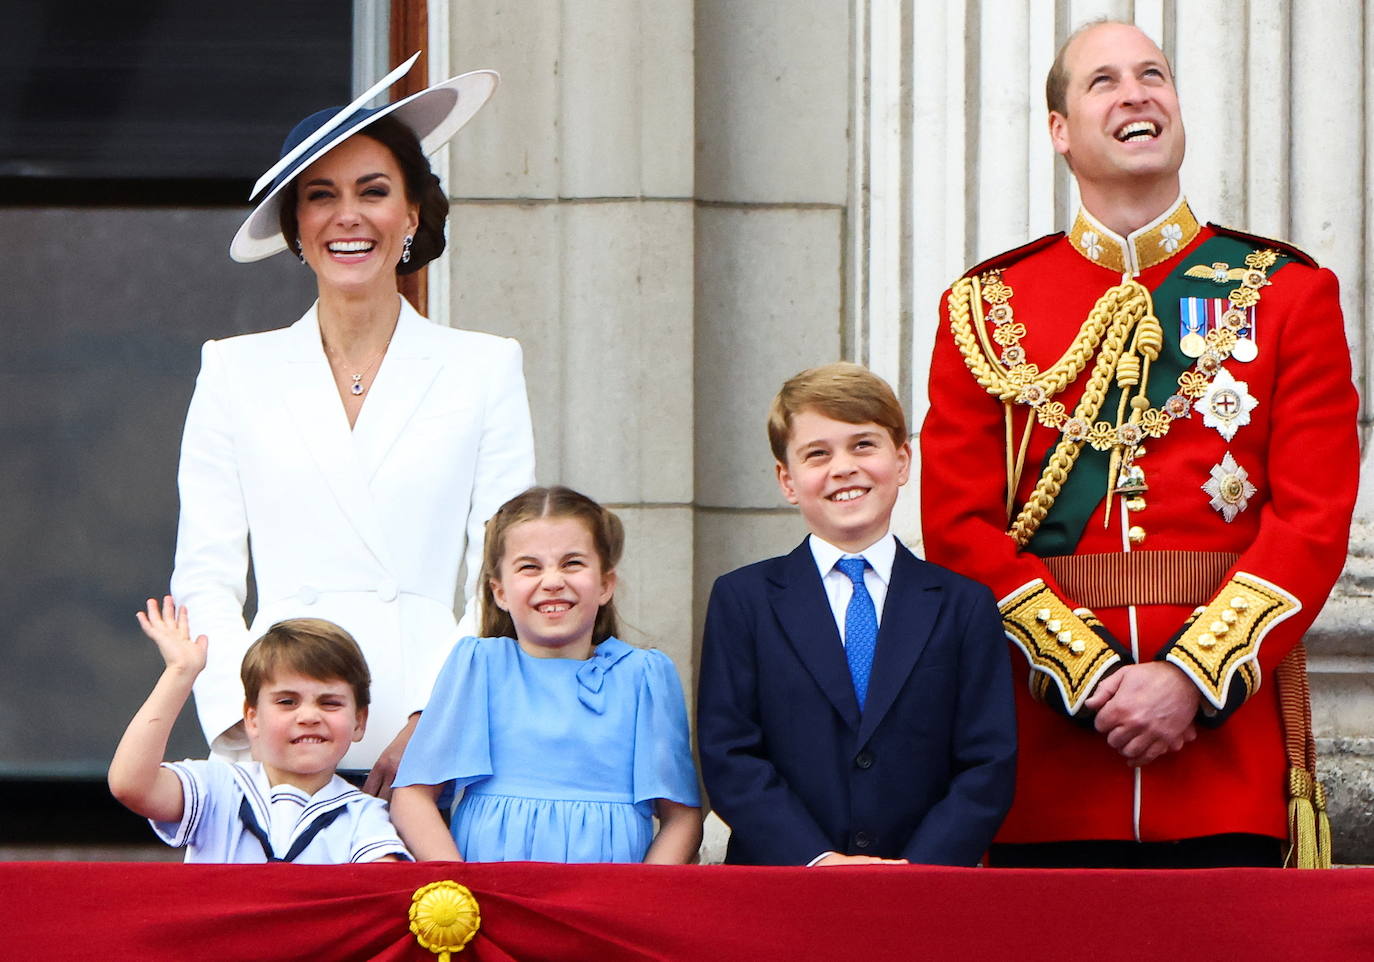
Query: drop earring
x,y
300,253
405,248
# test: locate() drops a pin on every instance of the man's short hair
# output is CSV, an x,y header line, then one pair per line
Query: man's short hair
x,y
311,647
1057,80
843,391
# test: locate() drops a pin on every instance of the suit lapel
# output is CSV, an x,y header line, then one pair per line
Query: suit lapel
x,y
401,384
799,601
312,402
909,614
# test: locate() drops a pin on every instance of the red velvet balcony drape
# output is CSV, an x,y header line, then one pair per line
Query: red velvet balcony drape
x,y
606,913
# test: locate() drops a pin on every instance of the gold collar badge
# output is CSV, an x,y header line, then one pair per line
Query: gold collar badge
x,y
1153,244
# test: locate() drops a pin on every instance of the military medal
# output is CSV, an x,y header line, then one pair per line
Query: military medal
x,y
1192,326
1200,316
1230,488
1226,405
1242,322
1245,349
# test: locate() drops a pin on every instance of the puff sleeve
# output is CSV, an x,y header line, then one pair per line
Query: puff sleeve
x,y
453,739
663,751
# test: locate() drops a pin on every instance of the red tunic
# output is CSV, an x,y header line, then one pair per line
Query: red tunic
x,y
1299,450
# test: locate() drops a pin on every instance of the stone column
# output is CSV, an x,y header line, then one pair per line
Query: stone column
x,y
572,230
773,87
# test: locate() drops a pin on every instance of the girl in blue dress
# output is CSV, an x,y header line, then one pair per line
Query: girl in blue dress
x,y
564,740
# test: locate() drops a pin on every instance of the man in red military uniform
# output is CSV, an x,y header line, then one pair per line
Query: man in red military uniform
x,y
1142,436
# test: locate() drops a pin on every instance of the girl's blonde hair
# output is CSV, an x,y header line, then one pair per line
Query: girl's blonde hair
x,y
608,536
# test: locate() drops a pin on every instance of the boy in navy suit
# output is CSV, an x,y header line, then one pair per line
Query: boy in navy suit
x,y
855,702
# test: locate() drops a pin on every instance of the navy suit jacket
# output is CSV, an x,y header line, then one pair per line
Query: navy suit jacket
x,y
925,772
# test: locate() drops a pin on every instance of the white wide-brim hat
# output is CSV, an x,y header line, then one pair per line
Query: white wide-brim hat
x,y
435,114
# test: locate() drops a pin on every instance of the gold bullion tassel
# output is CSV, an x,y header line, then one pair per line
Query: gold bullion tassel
x,y
444,917
1302,820
1323,826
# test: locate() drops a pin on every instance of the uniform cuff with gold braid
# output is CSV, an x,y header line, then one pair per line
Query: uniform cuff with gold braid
x,y
1218,647
1068,649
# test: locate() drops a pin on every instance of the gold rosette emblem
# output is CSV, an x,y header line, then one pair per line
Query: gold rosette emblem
x,y
444,917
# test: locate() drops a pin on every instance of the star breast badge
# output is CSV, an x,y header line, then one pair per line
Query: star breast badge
x,y
1230,488
1227,404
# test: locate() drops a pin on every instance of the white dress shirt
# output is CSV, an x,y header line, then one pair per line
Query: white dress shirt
x,y
838,588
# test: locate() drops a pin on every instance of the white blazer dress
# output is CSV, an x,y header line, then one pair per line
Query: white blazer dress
x,y
367,527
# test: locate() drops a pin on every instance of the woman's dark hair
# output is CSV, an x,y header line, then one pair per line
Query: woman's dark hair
x,y
421,186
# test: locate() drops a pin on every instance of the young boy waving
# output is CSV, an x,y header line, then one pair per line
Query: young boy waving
x,y
306,686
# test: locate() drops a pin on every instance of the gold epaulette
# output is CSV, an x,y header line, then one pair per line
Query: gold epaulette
x,y
1059,642
1223,639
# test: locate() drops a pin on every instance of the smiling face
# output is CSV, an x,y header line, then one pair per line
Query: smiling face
x,y
552,585
844,477
1122,126
301,727
353,216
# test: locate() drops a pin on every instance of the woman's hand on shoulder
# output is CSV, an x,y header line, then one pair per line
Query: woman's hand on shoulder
x,y
167,625
383,772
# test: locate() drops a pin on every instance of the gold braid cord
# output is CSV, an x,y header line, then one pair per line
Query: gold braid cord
x,y
1124,313
1104,334
981,359
1059,643
1127,304
1224,638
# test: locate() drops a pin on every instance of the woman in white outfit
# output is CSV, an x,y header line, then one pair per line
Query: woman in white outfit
x,y
356,455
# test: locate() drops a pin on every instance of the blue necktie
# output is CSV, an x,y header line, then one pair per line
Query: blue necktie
x,y
860,627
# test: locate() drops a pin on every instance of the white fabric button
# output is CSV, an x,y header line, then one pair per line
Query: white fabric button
x,y
307,595
387,590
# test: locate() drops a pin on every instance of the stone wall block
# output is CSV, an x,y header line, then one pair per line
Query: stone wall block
x,y
653,596
667,100
1327,154
1214,173
768,306
599,96
772,112
1346,767
505,280
1003,116
627,350
626,99
726,540
511,148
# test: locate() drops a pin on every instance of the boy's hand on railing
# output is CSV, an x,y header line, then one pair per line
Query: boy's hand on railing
x,y
835,858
